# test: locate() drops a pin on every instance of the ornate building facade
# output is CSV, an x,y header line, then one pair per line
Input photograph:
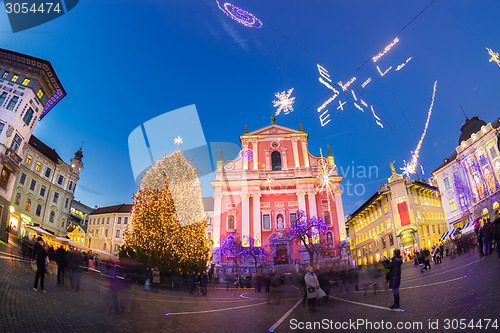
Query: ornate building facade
x,y
44,189
257,195
404,214
469,178
29,89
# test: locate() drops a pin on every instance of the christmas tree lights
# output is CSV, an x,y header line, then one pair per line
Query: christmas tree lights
x,y
164,230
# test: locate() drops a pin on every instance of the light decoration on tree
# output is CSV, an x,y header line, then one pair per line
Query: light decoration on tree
x,y
403,64
168,224
494,56
413,163
387,48
240,15
247,154
178,140
284,102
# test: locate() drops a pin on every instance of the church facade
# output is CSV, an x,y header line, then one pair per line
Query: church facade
x,y
257,195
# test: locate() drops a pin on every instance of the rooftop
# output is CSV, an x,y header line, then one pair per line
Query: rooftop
x,y
44,149
123,208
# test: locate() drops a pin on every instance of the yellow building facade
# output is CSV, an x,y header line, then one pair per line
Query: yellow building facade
x,y
404,214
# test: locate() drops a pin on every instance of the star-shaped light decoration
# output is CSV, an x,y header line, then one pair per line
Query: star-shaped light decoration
x,y
325,180
178,140
269,182
407,169
284,102
494,56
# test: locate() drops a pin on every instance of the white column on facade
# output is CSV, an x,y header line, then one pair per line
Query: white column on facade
x,y
312,204
256,219
255,154
296,158
284,164
217,219
244,146
302,201
245,217
340,215
305,152
268,159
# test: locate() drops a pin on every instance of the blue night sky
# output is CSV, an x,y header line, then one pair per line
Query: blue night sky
x,y
125,62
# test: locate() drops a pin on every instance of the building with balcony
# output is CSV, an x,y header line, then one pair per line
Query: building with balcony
x,y
403,214
79,214
469,179
29,89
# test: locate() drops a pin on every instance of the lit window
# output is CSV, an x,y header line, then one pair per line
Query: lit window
x,y
5,74
16,143
39,94
42,191
28,205
12,103
453,207
14,78
28,160
25,82
38,166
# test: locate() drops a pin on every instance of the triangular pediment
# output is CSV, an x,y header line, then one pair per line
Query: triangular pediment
x,y
273,129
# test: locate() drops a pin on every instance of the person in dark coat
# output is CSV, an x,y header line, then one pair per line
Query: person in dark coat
x,y
487,232
478,226
496,232
395,274
204,283
267,282
75,264
40,255
61,260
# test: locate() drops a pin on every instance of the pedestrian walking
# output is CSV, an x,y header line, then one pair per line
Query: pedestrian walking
x,y
61,261
487,232
156,279
496,232
75,265
267,282
260,282
192,283
248,281
478,226
40,256
199,281
427,258
204,283
437,255
312,285
242,281
394,267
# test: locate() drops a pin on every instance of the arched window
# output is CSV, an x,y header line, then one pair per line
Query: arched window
x,y
52,216
276,160
28,205
329,239
38,210
230,222
18,198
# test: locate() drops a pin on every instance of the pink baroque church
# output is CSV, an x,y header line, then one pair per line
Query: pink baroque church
x,y
258,194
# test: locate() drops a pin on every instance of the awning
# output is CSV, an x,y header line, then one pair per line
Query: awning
x,y
445,235
72,243
101,252
39,230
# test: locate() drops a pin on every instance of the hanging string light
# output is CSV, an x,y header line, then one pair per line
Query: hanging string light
x,y
413,164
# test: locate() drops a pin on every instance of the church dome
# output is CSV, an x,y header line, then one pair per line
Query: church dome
x,y
470,127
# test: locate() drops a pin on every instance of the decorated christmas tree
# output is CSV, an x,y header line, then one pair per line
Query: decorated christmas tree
x,y
168,226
